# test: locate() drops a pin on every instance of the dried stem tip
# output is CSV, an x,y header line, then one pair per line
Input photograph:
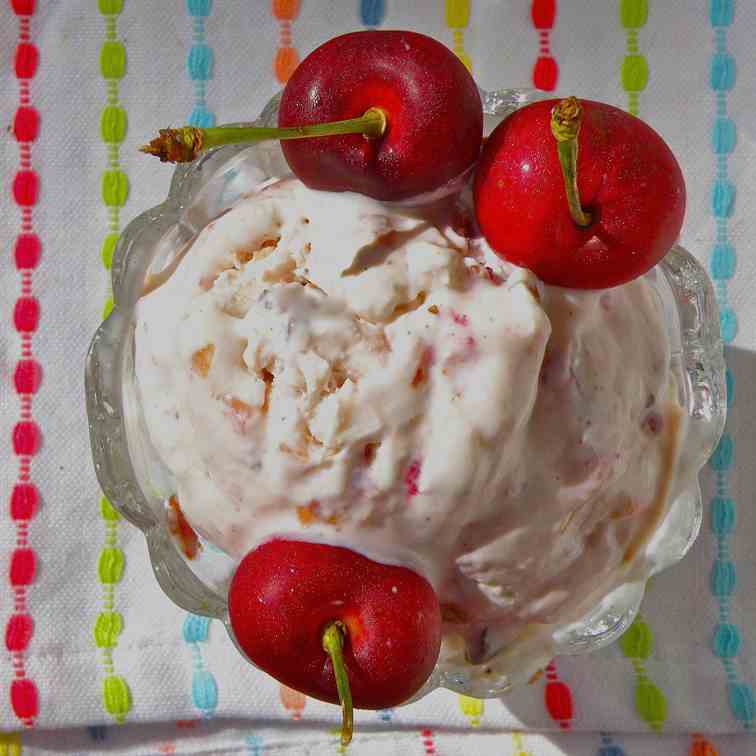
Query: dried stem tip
x,y
176,145
565,119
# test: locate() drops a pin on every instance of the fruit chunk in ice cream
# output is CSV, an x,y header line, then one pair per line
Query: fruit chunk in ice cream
x,y
323,367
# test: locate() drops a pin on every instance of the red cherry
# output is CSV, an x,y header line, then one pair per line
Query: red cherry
x,y
628,181
433,110
392,114
285,594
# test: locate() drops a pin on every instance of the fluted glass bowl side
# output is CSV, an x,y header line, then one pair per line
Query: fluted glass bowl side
x,y
134,481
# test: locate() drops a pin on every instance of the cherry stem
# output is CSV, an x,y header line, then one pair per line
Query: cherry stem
x,y
333,645
565,126
184,144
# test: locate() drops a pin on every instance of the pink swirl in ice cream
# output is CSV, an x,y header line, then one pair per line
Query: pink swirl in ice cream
x,y
322,366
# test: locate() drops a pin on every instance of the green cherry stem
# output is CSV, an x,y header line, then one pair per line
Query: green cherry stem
x,y
565,126
333,645
184,144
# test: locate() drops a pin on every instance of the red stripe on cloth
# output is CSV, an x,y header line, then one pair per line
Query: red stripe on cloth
x,y
428,744
545,69
557,697
26,436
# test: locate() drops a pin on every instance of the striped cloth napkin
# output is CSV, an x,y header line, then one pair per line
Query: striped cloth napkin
x,y
95,658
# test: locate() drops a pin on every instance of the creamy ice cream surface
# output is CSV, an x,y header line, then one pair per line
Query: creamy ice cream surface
x,y
324,367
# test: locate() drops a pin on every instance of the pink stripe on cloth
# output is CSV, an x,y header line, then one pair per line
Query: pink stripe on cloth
x,y
26,437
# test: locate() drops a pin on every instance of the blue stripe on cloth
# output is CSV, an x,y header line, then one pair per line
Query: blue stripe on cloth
x,y
372,12
726,641
608,747
199,68
199,63
204,693
254,745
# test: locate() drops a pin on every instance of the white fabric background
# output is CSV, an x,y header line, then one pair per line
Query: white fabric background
x,y
70,284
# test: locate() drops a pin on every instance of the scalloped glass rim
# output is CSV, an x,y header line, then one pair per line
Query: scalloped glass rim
x,y
199,192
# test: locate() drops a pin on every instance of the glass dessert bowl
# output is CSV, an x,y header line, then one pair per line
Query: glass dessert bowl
x,y
135,481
